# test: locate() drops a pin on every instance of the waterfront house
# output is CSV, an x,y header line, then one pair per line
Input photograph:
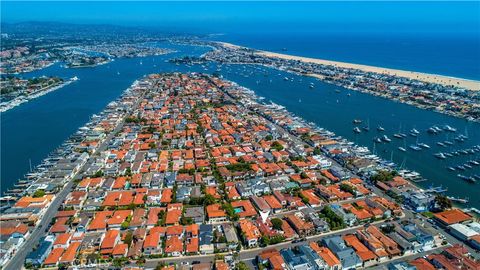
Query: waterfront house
x,y
451,216
37,256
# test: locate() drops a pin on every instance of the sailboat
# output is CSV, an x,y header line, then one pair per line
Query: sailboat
x,y
414,132
399,135
367,127
403,149
415,146
402,165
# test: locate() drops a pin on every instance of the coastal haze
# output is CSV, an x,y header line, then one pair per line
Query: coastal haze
x,y
306,61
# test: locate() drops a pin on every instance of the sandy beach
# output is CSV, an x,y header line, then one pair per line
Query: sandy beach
x,y
425,77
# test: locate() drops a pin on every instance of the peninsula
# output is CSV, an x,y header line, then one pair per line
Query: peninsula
x,y
16,91
412,75
190,168
456,97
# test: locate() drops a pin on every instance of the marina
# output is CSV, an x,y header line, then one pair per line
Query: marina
x,y
211,135
324,105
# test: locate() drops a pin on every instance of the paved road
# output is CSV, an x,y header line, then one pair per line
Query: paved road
x,y
250,254
18,259
247,256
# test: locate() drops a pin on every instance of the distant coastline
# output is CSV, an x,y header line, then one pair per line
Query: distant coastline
x,y
472,85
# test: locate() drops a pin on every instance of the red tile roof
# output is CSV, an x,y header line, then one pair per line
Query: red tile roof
x,y
452,216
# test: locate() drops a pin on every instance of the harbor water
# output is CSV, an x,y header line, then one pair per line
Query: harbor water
x,y
31,131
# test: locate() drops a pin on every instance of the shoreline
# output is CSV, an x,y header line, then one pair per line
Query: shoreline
x,y
471,85
249,101
21,100
471,210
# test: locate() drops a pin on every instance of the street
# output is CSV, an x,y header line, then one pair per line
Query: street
x,y
18,259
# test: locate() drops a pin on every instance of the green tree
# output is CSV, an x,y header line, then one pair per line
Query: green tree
x,y
141,260
125,225
208,200
443,202
128,238
230,211
38,193
276,223
277,146
161,218
99,173
347,188
119,262
334,221
242,266
264,240
276,239
186,220
384,176
239,167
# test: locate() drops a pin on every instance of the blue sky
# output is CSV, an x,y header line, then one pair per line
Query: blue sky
x,y
220,17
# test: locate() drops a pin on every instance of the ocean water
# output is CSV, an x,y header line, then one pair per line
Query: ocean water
x,y
334,108
455,55
33,130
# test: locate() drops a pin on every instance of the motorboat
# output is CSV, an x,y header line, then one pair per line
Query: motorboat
x,y
414,147
424,145
398,136
449,128
357,121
